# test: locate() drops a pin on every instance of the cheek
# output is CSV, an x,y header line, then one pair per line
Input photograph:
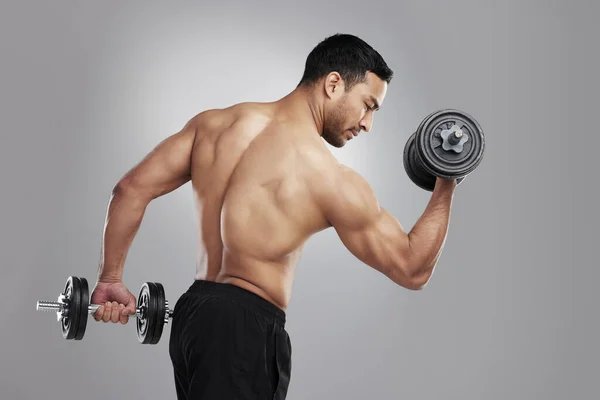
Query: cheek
x,y
358,110
359,114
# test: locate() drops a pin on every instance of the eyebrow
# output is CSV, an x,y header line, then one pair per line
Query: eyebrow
x,y
375,103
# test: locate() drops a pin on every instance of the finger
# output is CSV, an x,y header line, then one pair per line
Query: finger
x,y
116,312
124,318
99,313
107,311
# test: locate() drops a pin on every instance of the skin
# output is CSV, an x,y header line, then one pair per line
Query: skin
x,y
264,182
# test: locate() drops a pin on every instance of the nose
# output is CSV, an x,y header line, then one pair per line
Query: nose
x,y
366,123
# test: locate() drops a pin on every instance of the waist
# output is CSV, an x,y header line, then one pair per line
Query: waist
x,y
241,295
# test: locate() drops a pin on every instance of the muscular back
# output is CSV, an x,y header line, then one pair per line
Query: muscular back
x,y
251,173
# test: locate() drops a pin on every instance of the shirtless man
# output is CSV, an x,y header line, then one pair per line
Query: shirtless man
x,y
265,181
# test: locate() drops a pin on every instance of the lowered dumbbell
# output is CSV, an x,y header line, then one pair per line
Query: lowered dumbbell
x,y
73,307
447,144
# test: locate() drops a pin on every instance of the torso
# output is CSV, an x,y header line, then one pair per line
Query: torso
x,y
251,168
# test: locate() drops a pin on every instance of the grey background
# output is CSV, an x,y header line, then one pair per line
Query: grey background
x,y
88,88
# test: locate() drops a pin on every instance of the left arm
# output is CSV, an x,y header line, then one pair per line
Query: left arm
x,y
166,168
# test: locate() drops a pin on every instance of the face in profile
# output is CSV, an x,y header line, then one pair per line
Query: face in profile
x,y
347,113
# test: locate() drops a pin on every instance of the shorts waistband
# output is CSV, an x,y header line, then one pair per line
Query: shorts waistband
x,y
244,296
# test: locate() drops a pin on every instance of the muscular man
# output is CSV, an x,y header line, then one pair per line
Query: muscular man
x,y
265,182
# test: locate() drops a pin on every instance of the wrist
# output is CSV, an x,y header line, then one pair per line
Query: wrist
x,y
109,278
445,187
446,182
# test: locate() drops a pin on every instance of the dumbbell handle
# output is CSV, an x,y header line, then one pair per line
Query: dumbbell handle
x,y
56,306
43,305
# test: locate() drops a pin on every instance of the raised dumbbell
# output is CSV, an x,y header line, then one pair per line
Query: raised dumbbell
x,y
73,307
447,144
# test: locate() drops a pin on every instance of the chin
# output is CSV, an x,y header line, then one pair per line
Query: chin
x,y
334,140
339,142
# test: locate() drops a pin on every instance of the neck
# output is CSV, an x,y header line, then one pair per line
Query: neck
x,y
303,103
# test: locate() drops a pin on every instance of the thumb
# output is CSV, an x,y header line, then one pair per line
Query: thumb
x,y
130,307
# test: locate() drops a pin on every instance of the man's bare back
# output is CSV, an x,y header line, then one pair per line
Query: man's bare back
x,y
254,195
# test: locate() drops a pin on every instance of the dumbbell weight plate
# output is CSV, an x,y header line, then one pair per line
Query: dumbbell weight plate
x,y
412,165
152,303
446,163
84,300
70,320
153,316
160,312
419,176
145,322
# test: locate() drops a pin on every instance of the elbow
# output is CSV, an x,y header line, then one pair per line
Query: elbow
x,y
414,277
125,188
121,188
125,196
419,282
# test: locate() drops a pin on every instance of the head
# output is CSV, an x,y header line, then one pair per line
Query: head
x,y
350,80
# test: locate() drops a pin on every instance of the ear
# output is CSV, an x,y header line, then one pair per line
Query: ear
x,y
334,85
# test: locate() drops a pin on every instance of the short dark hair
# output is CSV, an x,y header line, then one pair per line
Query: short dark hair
x,y
348,55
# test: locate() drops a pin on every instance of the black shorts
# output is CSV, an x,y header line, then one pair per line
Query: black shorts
x,y
228,343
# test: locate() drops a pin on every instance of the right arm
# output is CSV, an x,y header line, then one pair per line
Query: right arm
x,y
376,238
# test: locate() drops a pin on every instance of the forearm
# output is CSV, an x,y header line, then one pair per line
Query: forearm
x,y
428,235
123,219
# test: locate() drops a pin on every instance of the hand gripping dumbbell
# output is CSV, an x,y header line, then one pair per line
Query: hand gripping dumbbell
x,y
447,144
73,307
